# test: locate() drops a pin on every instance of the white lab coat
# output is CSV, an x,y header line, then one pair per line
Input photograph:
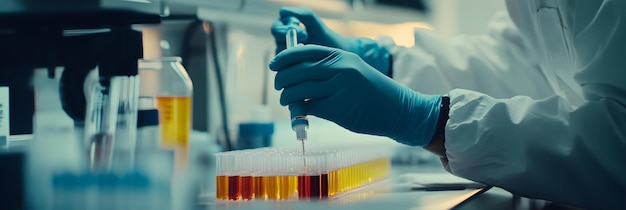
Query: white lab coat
x,y
538,104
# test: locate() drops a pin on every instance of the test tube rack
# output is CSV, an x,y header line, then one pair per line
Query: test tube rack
x,y
281,174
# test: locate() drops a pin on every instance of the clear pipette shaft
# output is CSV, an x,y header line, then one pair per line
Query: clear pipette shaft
x,y
292,38
299,121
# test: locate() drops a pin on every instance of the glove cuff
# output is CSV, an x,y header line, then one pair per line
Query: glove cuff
x,y
420,120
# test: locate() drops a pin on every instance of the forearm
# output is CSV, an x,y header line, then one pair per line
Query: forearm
x,y
538,148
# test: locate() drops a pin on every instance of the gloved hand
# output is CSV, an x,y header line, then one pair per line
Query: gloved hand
x,y
317,33
342,88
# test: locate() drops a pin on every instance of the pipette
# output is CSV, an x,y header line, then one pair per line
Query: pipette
x,y
299,121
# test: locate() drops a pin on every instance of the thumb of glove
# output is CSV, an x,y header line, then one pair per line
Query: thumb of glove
x,y
306,16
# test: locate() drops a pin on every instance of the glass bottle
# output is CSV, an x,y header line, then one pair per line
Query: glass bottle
x,y
167,80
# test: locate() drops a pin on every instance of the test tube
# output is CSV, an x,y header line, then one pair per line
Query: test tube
x,y
100,124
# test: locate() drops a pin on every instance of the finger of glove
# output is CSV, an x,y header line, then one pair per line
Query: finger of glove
x,y
303,72
282,46
280,27
306,16
309,90
293,56
326,107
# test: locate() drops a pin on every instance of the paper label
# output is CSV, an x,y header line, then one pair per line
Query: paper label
x,y
4,115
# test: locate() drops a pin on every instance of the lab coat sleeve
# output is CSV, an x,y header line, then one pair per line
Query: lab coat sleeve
x,y
540,148
547,148
497,63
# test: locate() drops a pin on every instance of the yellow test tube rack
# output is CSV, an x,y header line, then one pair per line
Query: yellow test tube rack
x,y
280,174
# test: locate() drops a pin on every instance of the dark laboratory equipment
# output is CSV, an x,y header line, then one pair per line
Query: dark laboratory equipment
x,y
78,35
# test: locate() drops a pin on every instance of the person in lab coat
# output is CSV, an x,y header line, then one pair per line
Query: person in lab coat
x,y
536,106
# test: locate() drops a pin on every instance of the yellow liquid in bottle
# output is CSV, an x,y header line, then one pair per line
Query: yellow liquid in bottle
x,y
175,120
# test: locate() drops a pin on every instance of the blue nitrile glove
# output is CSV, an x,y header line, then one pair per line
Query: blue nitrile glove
x,y
342,88
374,53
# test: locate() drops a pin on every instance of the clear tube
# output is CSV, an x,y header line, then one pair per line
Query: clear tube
x,y
126,126
292,38
299,122
101,123
110,128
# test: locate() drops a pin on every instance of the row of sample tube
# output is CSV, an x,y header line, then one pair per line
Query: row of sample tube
x,y
286,174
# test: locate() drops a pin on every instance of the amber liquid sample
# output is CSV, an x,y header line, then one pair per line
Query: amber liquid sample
x,y
286,187
313,187
324,185
247,188
222,187
259,188
271,187
283,187
304,186
175,120
234,188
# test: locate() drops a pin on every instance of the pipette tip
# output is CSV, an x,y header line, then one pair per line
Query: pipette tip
x,y
303,154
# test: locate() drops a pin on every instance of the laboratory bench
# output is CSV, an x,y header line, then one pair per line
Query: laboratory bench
x,y
404,187
400,190
397,192
410,167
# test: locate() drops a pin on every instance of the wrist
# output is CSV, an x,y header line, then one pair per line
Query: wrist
x,y
437,144
419,119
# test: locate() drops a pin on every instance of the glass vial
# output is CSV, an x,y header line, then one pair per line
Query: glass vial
x,y
167,80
